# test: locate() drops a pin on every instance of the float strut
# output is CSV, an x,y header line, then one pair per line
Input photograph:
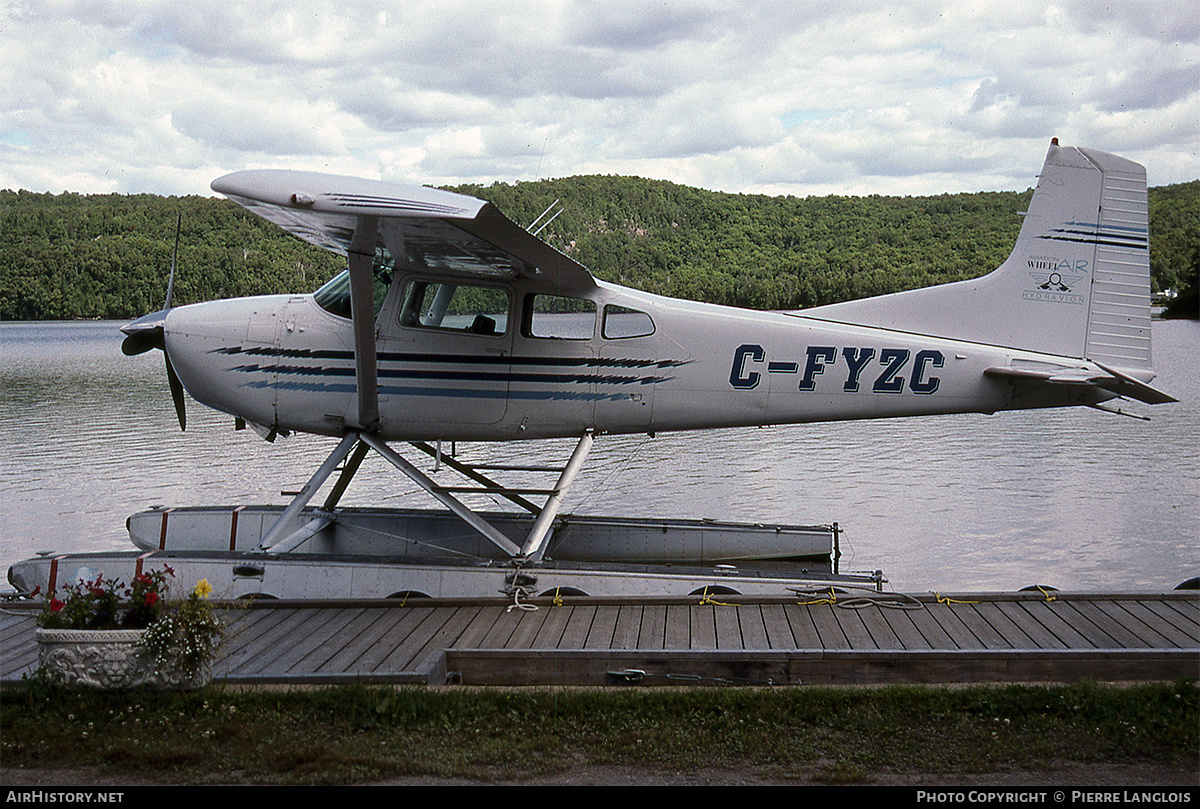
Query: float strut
x,y
301,500
417,476
535,543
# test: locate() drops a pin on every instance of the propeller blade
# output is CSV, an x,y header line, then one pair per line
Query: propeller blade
x,y
176,391
149,331
174,258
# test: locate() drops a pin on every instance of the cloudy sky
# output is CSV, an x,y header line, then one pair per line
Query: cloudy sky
x,y
854,97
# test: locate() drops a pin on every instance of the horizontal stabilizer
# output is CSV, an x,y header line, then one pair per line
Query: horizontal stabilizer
x,y
1109,379
1125,385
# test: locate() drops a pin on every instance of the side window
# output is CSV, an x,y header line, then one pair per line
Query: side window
x,y
454,307
620,323
560,318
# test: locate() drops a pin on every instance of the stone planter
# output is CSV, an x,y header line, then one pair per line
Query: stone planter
x,y
107,659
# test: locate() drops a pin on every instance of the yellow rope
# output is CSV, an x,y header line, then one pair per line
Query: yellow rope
x,y
707,599
831,600
558,602
943,600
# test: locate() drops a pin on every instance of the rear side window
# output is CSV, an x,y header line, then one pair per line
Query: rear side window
x,y
621,323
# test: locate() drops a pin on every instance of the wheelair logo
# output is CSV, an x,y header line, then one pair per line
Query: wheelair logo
x,y
1055,280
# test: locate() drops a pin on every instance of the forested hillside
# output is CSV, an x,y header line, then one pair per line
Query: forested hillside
x,y
107,256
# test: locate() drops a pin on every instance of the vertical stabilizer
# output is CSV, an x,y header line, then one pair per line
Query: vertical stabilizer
x,y
1077,283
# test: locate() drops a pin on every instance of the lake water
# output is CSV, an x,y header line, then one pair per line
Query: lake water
x,y
1075,499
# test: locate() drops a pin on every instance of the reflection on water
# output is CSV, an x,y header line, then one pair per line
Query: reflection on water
x,y
1075,499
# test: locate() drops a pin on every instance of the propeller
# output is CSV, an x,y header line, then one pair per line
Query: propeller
x,y
147,332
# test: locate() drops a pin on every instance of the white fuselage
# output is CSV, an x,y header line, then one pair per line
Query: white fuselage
x,y
288,363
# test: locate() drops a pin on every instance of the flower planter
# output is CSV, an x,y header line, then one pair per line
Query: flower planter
x,y
108,659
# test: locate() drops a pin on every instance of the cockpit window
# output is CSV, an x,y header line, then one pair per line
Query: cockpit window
x,y
455,307
334,296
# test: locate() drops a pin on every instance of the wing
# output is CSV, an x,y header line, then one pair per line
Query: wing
x,y
422,228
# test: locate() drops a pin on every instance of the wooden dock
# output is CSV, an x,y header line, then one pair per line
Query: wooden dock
x,y
817,638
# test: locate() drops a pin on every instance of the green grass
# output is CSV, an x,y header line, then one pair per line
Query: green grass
x,y
354,734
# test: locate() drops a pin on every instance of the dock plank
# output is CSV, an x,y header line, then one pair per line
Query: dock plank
x,y
926,632
528,623
316,634
1177,617
958,635
995,614
259,656
247,630
628,626
677,629
704,627
1053,617
579,624
852,627
777,627
361,634
457,619
500,630
1136,619
602,631
980,634
481,627
654,627
398,624
1108,632
751,626
554,624
403,656
1026,616
875,621
16,633
827,631
20,625
805,633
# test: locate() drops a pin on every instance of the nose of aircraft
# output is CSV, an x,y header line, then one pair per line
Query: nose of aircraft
x,y
145,333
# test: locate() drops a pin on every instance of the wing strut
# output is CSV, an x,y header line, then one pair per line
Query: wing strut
x,y
362,308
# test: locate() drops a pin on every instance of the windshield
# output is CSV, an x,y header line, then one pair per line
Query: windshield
x,y
334,296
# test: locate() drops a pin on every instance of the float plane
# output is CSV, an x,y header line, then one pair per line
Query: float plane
x,y
453,323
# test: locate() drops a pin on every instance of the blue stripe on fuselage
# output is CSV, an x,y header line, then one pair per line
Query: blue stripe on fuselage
x,y
557,372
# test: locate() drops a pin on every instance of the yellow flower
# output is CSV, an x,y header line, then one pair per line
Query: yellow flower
x,y
202,589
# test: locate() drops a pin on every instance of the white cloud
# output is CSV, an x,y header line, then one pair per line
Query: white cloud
x,y
919,97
